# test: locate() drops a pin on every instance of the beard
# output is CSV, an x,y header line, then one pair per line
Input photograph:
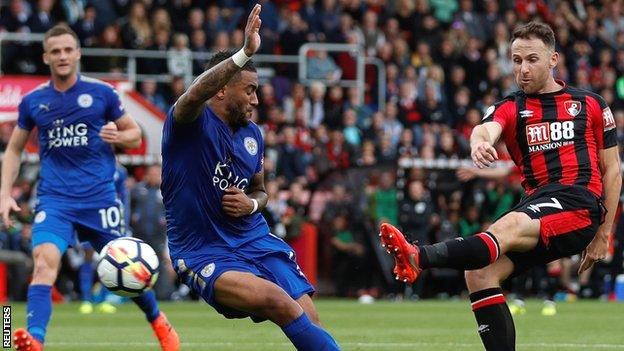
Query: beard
x,y
237,116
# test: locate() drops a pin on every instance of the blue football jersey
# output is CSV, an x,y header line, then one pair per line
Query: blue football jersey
x,y
200,160
76,164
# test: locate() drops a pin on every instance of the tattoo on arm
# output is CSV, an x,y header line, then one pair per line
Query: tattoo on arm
x,y
207,85
258,191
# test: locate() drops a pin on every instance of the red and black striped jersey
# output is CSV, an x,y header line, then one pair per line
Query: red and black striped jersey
x,y
555,137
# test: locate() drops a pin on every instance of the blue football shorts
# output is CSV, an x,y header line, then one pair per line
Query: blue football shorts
x,y
269,258
64,223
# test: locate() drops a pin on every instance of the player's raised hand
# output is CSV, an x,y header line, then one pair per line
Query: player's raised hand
x,y
109,133
7,204
483,154
252,31
236,203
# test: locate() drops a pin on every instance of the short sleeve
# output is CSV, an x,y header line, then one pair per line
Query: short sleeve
x,y
182,132
503,112
24,117
260,163
603,123
114,107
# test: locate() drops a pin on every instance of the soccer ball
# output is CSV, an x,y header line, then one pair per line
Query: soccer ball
x,y
128,267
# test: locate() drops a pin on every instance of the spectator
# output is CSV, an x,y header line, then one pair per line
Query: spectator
x,y
321,66
149,90
347,258
179,60
136,32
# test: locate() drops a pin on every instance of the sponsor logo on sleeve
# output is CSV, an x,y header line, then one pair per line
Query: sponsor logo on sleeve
x,y
488,112
607,117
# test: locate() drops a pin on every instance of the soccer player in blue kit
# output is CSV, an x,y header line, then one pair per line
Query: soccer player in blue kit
x,y
213,191
78,120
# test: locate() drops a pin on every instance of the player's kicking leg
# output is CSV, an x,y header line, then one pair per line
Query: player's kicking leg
x,y
482,256
261,298
515,231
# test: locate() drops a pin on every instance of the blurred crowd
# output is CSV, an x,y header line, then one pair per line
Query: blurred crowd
x,y
331,157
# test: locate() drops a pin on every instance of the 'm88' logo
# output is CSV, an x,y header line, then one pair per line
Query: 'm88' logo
x,y
541,133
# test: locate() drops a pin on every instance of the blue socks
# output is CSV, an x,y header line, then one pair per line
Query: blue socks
x,y
38,310
309,337
85,276
147,303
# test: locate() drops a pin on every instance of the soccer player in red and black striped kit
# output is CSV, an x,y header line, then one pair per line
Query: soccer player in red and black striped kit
x,y
564,141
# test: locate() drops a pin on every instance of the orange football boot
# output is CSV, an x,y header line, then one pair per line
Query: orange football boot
x,y
166,334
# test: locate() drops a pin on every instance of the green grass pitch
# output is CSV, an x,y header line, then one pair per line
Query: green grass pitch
x,y
422,325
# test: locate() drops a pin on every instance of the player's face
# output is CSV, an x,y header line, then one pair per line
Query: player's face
x,y
241,99
533,62
62,55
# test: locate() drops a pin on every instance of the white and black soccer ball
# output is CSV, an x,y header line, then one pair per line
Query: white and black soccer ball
x,y
128,267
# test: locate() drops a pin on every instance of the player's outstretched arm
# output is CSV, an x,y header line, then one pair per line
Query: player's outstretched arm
x,y
10,170
482,142
191,103
611,183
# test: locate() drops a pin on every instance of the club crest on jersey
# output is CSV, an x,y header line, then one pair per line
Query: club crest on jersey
x,y
85,100
251,145
208,270
573,107
40,217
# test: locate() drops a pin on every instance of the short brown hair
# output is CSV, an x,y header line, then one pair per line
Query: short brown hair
x,y
58,30
535,30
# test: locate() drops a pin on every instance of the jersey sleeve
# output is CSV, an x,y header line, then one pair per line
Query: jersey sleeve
x,y
503,112
114,107
24,117
603,123
260,163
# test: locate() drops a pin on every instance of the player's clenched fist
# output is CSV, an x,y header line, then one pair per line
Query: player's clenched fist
x,y
109,133
483,154
252,31
236,203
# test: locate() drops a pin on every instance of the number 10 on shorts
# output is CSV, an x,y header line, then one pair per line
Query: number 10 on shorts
x,y
111,217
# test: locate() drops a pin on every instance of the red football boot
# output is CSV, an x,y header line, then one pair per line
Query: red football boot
x,y
23,341
406,255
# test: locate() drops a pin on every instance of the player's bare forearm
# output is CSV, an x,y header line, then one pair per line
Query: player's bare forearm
x,y
130,138
482,141
257,191
479,134
12,159
10,169
612,182
207,85
488,132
